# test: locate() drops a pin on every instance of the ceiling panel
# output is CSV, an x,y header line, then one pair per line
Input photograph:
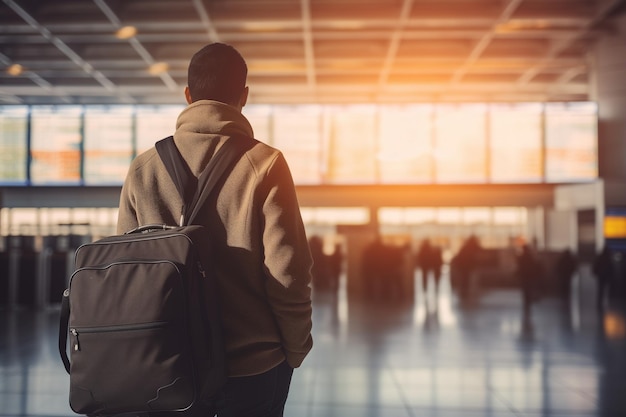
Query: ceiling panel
x,y
322,51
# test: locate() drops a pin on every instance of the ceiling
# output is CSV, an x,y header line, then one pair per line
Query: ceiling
x,y
304,51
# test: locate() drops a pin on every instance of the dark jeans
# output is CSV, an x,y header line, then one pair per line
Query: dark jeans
x,y
262,395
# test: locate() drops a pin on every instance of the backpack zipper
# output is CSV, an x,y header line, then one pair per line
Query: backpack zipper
x,y
75,331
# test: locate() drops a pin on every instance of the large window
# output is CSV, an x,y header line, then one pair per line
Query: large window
x,y
323,144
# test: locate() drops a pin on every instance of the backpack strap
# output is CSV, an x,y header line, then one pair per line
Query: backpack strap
x,y
194,192
63,327
184,180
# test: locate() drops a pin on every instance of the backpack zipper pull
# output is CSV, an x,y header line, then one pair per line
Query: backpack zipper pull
x,y
76,344
181,220
201,269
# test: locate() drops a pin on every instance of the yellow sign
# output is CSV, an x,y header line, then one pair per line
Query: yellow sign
x,y
614,227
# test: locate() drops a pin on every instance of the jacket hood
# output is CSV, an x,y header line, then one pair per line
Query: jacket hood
x,y
203,127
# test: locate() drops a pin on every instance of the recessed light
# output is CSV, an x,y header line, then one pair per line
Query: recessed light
x,y
126,32
15,69
158,68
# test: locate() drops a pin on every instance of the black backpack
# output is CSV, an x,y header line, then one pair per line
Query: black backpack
x,y
142,308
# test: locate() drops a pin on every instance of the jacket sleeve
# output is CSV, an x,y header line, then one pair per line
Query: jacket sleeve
x,y
127,215
287,262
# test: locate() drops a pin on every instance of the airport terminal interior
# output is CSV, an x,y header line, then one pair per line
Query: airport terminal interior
x,y
460,168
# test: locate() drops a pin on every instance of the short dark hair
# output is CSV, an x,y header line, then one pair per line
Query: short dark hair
x,y
217,72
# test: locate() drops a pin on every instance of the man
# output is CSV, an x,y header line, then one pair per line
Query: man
x,y
603,269
262,256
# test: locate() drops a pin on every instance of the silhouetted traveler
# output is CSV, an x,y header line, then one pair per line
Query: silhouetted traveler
x,y
335,262
375,267
466,262
423,260
321,270
437,264
565,268
382,269
429,260
603,270
527,270
261,251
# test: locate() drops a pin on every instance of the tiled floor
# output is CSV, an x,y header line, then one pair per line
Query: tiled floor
x,y
421,358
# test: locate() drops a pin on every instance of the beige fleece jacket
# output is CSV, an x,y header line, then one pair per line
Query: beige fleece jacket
x,y
263,260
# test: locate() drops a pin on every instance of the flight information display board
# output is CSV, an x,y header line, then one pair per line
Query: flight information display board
x,y
323,144
259,117
405,143
13,144
515,132
351,145
108,144
297,131
460,135
154,123
571,137
55,144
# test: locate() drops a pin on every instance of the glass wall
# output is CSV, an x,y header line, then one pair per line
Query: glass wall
x,y
331,144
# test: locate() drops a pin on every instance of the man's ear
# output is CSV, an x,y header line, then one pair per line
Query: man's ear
x,y
188,95
244,97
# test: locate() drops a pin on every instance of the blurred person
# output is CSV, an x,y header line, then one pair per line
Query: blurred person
x,y
383,269
373,266
423,261
527,270
262,256
336,263
565,268
321,270
603,269
466,261
429,260
437,264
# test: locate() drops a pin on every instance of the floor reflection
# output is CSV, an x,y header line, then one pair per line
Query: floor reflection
x,y
425,355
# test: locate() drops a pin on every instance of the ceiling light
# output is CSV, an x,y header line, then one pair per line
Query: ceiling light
x,y
126,32
522,25
15,69
158,68
270,26
346,24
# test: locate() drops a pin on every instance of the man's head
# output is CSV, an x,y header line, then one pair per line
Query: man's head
x,y
217,72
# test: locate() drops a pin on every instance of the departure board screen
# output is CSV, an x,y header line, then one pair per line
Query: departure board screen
x,y
571,137
108,144
13,144
460,134
55,144
405,149
297,133
323,144
154,123
259,117
351,145
515,143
